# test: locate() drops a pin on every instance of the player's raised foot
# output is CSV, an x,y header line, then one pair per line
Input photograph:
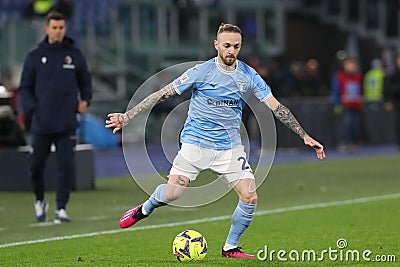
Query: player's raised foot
x,y
61,216
131,217
41,207
236,253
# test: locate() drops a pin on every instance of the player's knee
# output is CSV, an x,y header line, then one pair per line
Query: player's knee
x,y
250,198
172,195
175,187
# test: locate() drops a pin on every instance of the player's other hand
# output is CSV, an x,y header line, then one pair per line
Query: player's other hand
x,y
117,121
308,140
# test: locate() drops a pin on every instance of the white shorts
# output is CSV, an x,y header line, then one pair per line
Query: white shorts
x,y
229,164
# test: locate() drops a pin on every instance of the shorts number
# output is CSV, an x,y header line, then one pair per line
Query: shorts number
x,y
244,163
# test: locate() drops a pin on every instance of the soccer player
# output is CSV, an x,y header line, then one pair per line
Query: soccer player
x,y
210,137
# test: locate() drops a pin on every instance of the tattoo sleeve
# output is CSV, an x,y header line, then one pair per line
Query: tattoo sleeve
x,y
153,99
286,117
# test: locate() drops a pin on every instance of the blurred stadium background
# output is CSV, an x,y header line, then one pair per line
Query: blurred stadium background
x,y
127,41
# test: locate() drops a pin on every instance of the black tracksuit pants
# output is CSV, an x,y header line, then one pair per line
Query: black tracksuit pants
x,y
65,145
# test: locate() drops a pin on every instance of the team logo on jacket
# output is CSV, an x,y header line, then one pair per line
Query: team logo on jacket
x,y
44,60
68,63
68,60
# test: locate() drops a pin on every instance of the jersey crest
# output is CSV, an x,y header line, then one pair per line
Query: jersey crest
x,y
241,86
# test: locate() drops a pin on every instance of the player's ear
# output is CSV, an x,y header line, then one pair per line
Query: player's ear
x,y
216,44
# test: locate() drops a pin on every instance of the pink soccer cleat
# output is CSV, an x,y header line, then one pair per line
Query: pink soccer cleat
x,y
236,253
131,217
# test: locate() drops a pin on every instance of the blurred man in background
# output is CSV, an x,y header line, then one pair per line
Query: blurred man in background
x,y
347,91
373,82
52,76
311,82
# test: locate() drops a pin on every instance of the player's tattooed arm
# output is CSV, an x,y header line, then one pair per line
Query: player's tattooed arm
x,y
286,117
153,99
119,120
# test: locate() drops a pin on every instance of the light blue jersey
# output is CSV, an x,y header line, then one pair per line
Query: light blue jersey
x,y
218,98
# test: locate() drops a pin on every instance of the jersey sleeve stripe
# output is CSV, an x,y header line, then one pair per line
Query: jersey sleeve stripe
x,y
266,97
176,89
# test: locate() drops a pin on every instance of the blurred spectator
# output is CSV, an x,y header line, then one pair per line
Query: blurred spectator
x,y
347,92
340,57
373,82
373,95
392,96
256,63
311,82
278,77
296,70
388,60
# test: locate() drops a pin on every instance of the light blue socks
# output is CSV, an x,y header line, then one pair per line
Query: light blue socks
x,y
241,219
157,199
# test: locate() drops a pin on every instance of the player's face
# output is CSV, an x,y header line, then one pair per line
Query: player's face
x,y
228,45
55,31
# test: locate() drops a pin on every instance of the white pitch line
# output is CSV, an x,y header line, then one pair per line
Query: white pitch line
x,y
212,219
330,204
94,218
42,224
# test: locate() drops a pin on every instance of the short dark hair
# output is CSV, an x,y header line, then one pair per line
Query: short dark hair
x,y
228,28
54,15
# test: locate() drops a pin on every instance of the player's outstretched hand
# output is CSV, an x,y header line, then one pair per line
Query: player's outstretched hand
x,y
308,140
117,121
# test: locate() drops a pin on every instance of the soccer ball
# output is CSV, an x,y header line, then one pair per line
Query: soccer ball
x,y
189,246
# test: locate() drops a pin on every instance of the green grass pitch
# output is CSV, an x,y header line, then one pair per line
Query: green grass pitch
x,y
302,207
